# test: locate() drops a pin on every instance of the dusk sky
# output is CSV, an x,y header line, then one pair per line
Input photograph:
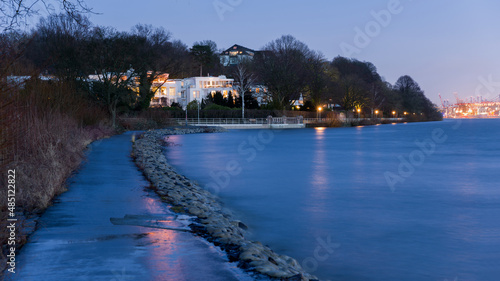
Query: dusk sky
x,y
446,46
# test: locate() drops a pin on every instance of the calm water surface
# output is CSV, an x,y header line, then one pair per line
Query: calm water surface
x,y
323,197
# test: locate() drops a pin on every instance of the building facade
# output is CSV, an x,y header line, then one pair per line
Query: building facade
x,y
235,55
183,91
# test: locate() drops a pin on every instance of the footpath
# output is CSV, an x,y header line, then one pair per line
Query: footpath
x,y
109,226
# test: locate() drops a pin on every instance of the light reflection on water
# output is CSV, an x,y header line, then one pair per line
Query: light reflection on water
x,y
440,223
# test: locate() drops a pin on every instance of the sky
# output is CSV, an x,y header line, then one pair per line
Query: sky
x,y
447,47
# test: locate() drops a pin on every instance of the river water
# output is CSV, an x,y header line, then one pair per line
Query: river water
x,y
417,201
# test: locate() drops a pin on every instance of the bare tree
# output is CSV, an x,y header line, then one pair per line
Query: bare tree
x,y
377,97
111,54
244,79
282,68
15,13
316,77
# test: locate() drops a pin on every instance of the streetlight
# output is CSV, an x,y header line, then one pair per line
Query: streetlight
x,y
376,114
198,105
359,113
185,102
319,112
185,98
394,114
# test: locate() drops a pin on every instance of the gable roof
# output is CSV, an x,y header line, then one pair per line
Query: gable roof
x,y
240,49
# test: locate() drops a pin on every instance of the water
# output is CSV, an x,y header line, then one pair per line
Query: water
x,y
76,240
321,196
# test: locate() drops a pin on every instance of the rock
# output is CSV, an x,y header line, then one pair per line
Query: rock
x,y
186,196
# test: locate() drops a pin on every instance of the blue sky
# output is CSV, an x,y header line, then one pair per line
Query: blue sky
x,y
446,46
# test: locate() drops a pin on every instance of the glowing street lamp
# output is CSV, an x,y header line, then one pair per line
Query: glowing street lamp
x,y
359,113
319,112
376,114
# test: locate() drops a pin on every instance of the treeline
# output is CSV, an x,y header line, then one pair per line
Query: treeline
x,y
121,65
289,68
72,48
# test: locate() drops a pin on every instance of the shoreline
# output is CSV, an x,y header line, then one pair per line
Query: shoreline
x,y
214,223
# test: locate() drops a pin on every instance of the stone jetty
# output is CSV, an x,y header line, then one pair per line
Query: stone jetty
x,y
212,221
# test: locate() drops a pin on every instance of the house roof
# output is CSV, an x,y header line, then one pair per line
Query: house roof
x,y
240,49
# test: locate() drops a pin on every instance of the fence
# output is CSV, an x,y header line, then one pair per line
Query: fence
x,y
241,121
346,120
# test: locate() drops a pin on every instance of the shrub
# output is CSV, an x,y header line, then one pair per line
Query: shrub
x,y
214,106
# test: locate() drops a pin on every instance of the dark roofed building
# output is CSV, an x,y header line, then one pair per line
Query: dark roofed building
x,y
235,54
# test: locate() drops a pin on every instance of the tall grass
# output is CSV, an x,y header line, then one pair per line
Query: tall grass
x,y
45,127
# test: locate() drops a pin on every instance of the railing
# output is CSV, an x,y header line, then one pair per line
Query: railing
x,y
218,121
285,120
318,120
273,120
346,120
240,121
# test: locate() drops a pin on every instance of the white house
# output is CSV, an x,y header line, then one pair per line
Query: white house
x,y
235,55
183,91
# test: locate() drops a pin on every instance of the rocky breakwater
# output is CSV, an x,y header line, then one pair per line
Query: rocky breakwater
x,y
212,222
